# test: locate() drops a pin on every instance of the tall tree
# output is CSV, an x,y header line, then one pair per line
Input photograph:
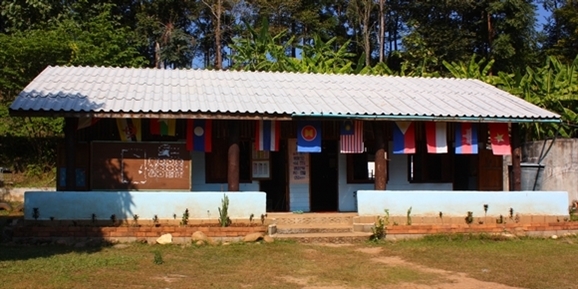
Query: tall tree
x,y
562,29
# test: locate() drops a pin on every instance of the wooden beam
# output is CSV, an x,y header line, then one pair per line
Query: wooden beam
x,y
233,157
516,158
70,125
380,161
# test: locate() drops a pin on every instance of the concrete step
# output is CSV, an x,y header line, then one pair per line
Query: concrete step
x,y
311,218
313,228
363,227
338,238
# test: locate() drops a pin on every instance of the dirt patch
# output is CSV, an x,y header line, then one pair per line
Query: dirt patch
x,y
370,250
334,245
456,280
170,278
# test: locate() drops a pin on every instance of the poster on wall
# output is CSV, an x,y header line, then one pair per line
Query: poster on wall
x,y
298,164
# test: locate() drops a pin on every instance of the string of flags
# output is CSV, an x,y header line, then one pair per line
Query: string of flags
x,y
309,135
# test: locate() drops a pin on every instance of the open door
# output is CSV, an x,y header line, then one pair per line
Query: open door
x,y
323,190
276,187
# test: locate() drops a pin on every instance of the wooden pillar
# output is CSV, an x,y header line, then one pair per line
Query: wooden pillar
x,y
233,157
70,151
380,161
516,158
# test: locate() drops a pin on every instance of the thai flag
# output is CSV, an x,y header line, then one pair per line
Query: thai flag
x,y
436,137
267,133
351,138
199,135
466,137
404,137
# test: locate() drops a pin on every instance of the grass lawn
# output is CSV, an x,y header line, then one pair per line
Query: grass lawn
x,y
529,263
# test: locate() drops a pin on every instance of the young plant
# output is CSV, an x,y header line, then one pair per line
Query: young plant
x,y
93,218
485,210
185,218
408,216
251,218
224,220
135,218
113,218
380,229
263,217
35,213
470,217
155,219
158,259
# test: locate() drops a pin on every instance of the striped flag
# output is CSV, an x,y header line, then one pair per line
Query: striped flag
x,y
404,137
163,126
199,135
436,136
351,138
267,133
466,137
129,129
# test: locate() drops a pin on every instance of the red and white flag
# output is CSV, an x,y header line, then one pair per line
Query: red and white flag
x,y
351,138
267,134
436,136
500,139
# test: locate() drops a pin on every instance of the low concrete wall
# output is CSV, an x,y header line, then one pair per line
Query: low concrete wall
x,y
17,194
458,203
125,204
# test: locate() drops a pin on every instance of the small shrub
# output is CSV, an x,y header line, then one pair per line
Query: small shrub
x,y
469,218
158,258
380,229
185,218
408,216
224,219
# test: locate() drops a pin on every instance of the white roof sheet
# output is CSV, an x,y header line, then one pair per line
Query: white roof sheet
x,y
106,90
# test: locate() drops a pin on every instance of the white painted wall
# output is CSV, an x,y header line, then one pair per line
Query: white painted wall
x,y
124,204
458,203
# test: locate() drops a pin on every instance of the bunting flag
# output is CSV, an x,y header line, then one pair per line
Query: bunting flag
x,y
85,122
199,135
436,137
500,139
351,138
267,134
466,137
163,126
129,129
404,137
309,137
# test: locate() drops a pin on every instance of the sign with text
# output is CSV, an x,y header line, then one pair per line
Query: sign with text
x,y
298,164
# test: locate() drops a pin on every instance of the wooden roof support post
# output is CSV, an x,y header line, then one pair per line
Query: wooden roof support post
x,y
233,157
380,161
70,142
516,158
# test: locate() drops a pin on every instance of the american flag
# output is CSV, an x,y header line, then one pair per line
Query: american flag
x,y
351,139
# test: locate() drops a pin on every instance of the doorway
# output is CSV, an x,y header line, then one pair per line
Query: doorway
x,y
276,187
323,190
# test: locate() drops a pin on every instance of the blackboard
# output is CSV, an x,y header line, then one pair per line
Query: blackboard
x,y
140,166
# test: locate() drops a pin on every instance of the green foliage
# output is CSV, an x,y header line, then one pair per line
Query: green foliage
x,y
469,218
380,229
158,258
185,218
408,217
224,219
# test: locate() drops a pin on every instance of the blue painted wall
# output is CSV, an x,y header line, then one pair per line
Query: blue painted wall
x,y
198,177
458,203
124,204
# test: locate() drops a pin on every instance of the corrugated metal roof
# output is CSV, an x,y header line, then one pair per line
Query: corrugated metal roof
x,y
147,92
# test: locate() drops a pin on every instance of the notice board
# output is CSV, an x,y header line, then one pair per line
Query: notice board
x,y
140,166
298,164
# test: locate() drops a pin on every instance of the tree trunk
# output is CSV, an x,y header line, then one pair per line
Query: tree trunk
x,y
366,42
381,30
218,56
